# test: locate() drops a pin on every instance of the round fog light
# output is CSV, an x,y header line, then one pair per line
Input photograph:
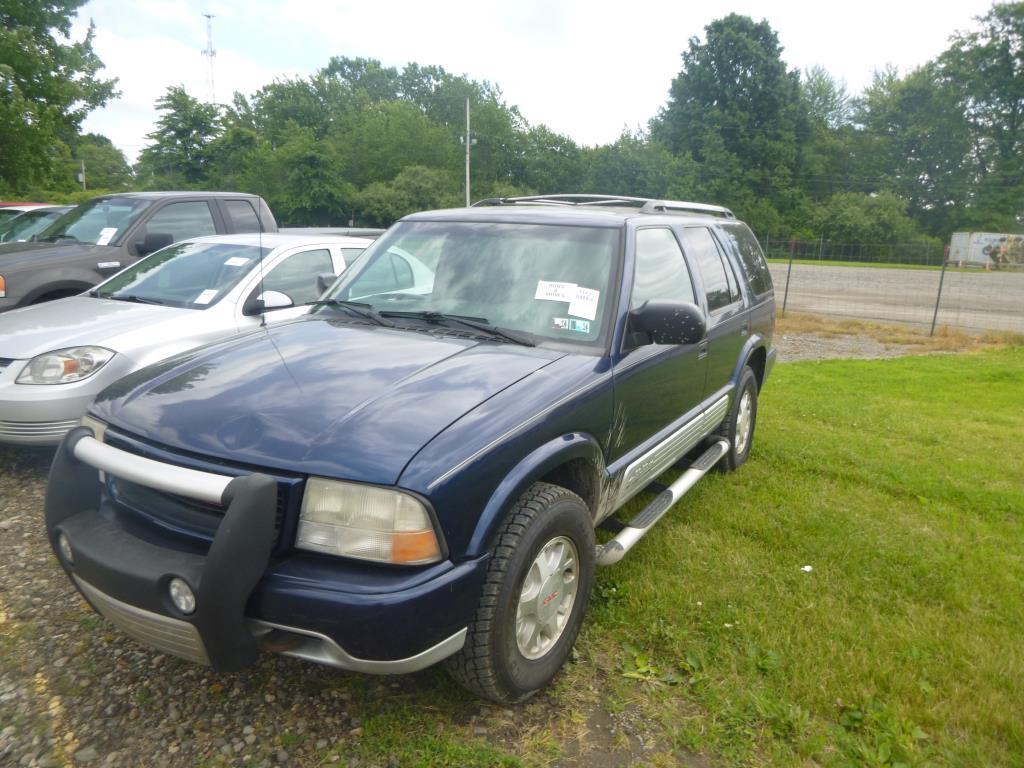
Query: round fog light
x,y
182,596
64,544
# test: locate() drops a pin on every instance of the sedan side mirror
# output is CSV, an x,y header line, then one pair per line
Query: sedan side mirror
x,y
264,302
324,281
668,322
153,241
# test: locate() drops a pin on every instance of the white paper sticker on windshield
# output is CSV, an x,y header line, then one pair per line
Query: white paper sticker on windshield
x,y
550,290
584,303
237,261
106,235
205,297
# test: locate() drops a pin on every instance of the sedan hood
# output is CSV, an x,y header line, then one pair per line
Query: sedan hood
x,y
317,396
21,254
81,320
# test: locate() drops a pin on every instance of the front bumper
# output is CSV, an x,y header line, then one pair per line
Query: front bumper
x,y
357,617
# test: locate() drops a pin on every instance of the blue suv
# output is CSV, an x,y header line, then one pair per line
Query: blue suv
x,y
414,471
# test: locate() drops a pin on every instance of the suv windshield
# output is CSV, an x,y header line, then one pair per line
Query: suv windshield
x,y
193,275
97,222
549,281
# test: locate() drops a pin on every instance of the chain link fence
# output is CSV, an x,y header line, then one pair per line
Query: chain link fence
x,y
914,286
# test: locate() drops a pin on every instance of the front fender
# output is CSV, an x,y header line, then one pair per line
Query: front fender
x,y
535,465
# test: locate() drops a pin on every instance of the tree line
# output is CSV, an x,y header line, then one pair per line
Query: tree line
x,y
913,157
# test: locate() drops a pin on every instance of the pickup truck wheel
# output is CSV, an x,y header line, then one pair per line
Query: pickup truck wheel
x,y
739,425
534,597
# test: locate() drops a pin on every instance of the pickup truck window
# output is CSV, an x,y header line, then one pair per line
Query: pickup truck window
x,y
243,217
701,247
660,271
97,222
182,221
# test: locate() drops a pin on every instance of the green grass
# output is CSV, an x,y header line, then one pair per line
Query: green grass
x,y
901,483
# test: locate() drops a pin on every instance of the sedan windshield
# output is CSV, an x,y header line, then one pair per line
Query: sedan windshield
x,y
97,222
192,275
548,282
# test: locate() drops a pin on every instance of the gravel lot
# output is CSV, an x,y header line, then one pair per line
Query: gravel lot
x,y
73,691
974,300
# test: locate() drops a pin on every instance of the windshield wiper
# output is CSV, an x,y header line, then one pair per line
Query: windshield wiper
x,y
356,308
478,323
133,299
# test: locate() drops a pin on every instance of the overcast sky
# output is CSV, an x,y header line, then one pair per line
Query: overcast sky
x,y
585,68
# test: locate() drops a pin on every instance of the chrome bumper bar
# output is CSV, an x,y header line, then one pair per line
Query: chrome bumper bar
x,y
192,483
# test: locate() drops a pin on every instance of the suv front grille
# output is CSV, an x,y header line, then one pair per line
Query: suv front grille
x,y
194,519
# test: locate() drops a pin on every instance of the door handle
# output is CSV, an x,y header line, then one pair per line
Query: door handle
x,y
702,350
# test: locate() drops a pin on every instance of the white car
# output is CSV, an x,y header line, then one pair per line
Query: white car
x,y
56,357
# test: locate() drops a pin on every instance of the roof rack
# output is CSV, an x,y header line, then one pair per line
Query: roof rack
x,y
643,204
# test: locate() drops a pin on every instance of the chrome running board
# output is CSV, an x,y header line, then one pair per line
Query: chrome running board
x,y
637,528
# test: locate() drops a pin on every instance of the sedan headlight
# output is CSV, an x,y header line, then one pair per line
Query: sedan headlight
x,y
63,366
366,522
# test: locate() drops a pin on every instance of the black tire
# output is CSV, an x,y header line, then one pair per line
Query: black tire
x,y
491,664
735,458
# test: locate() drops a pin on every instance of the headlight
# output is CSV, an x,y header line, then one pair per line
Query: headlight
x,y
366,522
63,366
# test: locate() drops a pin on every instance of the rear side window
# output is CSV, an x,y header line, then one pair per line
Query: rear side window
x,y
182,220
750,254
660,268
243,216
719,283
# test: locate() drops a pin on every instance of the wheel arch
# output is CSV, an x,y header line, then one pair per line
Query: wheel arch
x,y
574,461
754,354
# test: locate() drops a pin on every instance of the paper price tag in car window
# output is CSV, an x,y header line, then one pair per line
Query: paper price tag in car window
x,y
550,290
584,302
205,297
106,235
236,261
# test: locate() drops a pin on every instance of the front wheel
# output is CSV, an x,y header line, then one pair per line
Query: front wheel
x,y
534,597
739,425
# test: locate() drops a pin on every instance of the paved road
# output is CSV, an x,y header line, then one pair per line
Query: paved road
x,y
977,301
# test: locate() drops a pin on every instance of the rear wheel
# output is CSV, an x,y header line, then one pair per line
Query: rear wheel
x,y
534,597
739,425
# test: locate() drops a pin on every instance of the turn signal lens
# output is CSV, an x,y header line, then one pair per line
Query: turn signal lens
x,y
3,287
366,522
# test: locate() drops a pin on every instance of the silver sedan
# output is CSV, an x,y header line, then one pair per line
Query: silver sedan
x,y
56,357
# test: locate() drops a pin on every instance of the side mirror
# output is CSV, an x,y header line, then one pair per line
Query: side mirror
x,y
264,302
324,281
668,322
154,241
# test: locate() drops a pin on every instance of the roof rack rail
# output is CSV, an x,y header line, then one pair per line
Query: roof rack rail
x,y
643,204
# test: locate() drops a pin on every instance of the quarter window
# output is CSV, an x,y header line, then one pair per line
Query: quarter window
x,y
751,256
719,284
660,268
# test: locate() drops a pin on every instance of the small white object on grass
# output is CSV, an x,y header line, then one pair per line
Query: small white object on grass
x,y
807,569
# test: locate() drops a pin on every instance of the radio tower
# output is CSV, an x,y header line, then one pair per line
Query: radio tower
x,y
211,53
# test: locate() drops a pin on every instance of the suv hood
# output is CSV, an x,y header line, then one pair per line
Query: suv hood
x,y
317,396
21,254
83,320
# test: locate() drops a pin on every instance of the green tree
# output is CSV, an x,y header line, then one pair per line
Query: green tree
x,y
735,110
179,156
871,220
105,165
986,67
637,166
48,85
416,188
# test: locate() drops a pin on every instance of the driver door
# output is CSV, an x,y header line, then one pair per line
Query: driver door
x,y
657,385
